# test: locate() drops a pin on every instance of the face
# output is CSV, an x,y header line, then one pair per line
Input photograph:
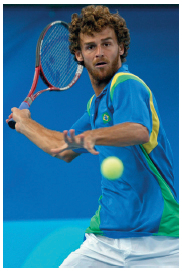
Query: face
x,y
101,54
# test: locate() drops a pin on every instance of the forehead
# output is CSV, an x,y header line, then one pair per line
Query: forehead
x,y
98,36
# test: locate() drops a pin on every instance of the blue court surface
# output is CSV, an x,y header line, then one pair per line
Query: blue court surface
x,y
41,244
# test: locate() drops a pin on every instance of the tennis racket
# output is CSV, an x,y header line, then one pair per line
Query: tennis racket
x,y
54,63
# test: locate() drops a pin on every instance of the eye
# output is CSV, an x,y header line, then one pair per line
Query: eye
x,y
90,47
107,44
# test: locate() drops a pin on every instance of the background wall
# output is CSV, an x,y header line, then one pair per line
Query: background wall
x,y
46,194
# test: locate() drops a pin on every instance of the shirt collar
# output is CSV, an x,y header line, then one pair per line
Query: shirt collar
x,y
123,68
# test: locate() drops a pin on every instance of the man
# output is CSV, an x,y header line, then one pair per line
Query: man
x,y
136,224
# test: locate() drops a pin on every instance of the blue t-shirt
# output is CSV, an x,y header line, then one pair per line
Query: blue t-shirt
x,y
142,201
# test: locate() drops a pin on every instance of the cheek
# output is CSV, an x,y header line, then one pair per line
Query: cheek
x,y
87,60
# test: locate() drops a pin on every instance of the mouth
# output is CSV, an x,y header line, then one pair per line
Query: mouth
x,y
100,64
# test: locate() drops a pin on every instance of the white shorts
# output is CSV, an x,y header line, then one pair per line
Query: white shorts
x,y
136,252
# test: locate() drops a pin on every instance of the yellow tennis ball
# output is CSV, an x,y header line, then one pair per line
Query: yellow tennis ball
x,y
112,168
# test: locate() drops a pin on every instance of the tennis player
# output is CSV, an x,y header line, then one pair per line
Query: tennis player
x,y
137,221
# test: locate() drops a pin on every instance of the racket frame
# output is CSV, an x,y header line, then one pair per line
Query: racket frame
x,y
39,71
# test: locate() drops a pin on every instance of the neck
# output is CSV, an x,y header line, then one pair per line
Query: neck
x,y
98,86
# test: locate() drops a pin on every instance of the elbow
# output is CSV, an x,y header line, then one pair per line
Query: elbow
x,y
146,139
144,135
141,135
64,155
67,159
64,158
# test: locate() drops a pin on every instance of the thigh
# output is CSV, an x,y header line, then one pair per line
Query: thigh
x,y
77,260
94,253
154,252
168,261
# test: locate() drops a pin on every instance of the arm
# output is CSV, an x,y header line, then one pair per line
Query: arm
x,y
120,135
44,138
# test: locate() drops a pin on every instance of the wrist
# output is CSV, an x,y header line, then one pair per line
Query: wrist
x,y
91,135
22,124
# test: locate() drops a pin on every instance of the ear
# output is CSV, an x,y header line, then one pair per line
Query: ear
x,y
121,49
78,55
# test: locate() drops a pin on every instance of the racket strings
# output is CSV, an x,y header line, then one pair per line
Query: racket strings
x,y
58,64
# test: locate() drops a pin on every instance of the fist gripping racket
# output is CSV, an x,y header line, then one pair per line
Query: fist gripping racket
x,y
54,63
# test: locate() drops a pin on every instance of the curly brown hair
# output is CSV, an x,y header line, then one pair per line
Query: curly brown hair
x,y
94,19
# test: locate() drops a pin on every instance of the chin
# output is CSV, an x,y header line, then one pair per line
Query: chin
x,y
104,75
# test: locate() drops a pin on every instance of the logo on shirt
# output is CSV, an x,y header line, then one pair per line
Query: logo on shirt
x,y
106,118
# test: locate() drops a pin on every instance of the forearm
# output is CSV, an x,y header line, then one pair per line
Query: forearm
x,y
44,138
126,134
121,135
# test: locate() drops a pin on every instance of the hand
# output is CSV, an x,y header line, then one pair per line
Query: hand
x,y
18,115
72,142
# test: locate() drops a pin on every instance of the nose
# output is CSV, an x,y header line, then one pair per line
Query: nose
x,y
99,51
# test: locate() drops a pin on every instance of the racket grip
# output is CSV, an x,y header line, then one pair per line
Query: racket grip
x,y
11,122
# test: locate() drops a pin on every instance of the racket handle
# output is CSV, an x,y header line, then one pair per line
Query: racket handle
x,y
11,122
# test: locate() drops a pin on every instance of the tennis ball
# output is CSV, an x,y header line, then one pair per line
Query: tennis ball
x,y
112,168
